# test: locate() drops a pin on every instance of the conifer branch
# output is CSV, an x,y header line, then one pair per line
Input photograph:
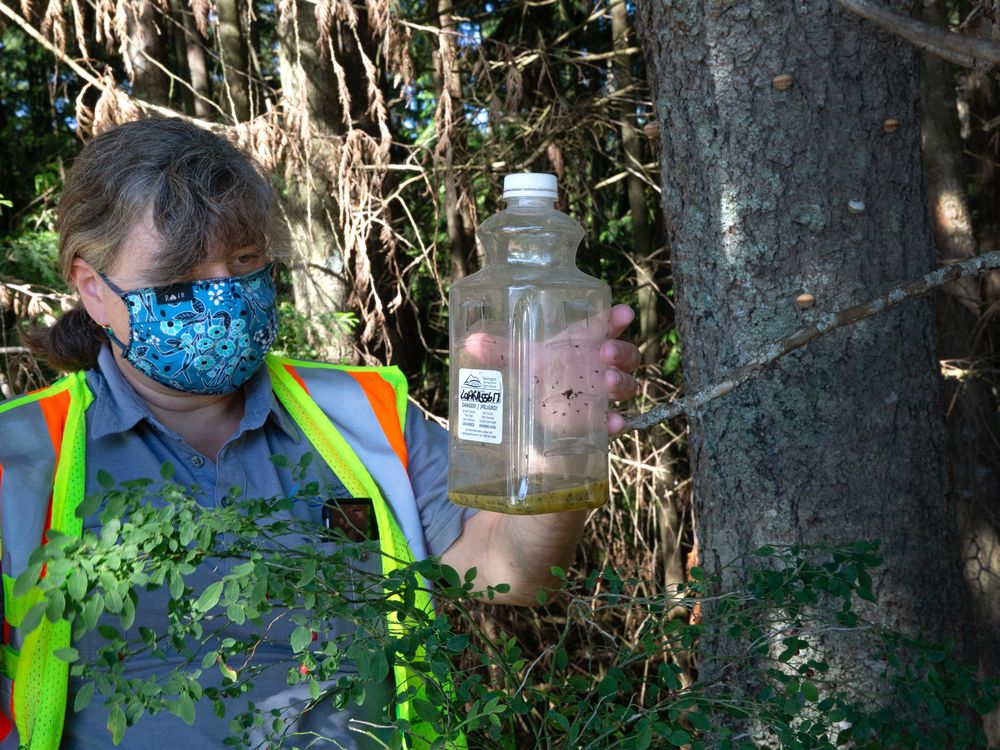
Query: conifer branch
x,y
957,48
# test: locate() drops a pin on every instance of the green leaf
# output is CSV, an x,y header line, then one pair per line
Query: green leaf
x,y
699,721
34,616
541,597
679,738
77,584
645,738
607,687
83,696
116,723
426,710
67,654
561,658
314,689
810,691
92,611
558,572
107,482
176,585
209,597
127,616
89,505
301,638
227,671
27,579
167,470
557,718
56,605
185,708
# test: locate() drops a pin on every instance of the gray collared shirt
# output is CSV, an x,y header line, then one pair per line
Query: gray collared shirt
x,y
127,441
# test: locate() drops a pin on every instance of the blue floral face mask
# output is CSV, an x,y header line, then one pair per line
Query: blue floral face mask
x,y
207,336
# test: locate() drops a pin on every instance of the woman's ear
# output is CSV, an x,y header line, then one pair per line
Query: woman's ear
x,y
94,293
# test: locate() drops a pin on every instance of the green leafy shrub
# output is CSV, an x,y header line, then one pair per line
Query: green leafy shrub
x,y
32,258
614,693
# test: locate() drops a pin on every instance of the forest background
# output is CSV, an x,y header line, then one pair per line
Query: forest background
x,y
388,127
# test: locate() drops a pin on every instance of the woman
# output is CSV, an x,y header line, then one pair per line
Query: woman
x,y
166,232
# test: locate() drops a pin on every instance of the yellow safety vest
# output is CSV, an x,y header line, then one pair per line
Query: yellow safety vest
x,y
35,678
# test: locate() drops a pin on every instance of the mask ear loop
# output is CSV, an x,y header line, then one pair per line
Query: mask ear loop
x,y
108,329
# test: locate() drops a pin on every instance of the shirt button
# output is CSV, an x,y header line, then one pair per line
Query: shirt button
x,y
197,461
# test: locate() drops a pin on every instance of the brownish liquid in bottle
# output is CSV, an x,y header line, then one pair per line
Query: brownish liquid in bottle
x,y
496,498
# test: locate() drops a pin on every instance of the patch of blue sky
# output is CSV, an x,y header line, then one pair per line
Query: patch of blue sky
x,y
469,34
479,118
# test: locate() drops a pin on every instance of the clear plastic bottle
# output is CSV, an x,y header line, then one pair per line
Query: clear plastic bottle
x,y
528,407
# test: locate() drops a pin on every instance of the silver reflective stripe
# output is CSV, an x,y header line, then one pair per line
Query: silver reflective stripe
x,y
29,465
344,401
28,461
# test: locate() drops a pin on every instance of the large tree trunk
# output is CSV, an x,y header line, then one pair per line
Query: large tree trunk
x,y
451,130
320,274
234,57
772,190
146,53
973,426
193,48
642,239
649,273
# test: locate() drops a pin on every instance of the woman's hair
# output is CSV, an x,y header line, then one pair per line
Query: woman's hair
x,y
204,194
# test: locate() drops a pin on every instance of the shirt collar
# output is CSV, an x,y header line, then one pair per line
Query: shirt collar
x,y
118,408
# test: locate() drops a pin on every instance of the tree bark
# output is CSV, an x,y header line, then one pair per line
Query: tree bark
x,y
657,492
234,55
647,270
451,128
194,55
145,49
320,274
771,190
973,427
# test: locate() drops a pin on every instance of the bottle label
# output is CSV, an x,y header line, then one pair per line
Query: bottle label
x,y
480,405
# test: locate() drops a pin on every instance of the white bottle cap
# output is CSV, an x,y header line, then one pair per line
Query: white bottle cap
x,y
530,185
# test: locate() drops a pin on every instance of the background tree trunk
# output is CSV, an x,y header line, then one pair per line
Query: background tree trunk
x,y
194,55
770,191
145,50
320,274
451,129
232,44
965,344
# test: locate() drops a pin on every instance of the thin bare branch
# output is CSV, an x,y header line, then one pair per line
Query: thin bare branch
x,y
87,75
824,324
957,48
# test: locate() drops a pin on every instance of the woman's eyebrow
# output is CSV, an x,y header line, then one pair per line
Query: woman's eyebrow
x,y
245,250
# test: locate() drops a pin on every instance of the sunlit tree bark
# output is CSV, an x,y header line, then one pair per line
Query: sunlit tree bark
x,y
779,179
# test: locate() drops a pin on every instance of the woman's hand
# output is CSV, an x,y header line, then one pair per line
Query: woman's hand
x,y
621,357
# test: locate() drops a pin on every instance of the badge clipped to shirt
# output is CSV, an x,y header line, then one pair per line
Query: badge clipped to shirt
x,y
354,516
